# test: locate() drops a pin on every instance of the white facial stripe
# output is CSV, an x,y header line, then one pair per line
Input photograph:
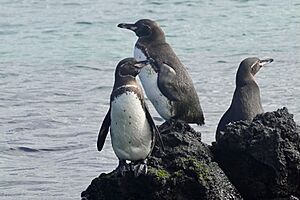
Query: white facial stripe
x,y
254,64
127,86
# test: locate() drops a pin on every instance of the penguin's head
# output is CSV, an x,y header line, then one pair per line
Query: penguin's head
x,y
249,67
129,67
145,28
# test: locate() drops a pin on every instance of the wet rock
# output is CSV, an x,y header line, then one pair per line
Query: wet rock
x,y
262,157
184,171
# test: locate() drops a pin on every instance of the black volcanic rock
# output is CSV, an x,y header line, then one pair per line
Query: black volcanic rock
x,y
262,157
184,171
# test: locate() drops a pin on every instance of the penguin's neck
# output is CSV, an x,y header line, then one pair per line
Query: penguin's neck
x,y
125,82
154,39
248,95
247,101
245,80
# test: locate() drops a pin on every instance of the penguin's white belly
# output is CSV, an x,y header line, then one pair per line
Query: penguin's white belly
x,y
131,134
149,78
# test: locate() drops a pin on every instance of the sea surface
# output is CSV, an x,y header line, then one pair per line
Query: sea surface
x,y
57,62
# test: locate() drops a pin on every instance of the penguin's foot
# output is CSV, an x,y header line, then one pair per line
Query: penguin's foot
x,y
140,168
173,124
167,126
122,168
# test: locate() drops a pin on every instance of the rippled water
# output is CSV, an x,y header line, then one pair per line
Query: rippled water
x,y
57,61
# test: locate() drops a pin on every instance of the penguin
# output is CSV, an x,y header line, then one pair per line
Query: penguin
x,y
165,79
246,101
132,128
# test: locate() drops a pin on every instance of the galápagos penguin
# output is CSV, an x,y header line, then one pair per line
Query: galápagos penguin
x,y
165,80
246,102
132,128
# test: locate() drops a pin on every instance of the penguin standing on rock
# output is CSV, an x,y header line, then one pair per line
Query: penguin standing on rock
x,y
246,102
165,80
132,129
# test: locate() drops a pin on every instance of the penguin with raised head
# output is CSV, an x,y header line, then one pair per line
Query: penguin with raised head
x,y
246,102
165,80
132,129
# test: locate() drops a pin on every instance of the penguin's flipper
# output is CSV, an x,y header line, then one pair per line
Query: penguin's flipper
x,y
167,82
154,128
225,119
103,131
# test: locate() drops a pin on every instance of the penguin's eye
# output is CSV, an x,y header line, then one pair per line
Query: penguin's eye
x,y
126,70
143,31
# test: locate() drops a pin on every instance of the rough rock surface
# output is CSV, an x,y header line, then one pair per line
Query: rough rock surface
x,y
262,157
185,171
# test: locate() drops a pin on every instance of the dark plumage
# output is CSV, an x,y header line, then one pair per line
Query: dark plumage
x,y
176,97
246,102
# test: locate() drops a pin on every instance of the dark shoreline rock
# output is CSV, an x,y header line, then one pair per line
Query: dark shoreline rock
x,y
262,157
184,171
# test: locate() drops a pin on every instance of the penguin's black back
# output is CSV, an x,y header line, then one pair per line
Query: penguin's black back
x,y
188,108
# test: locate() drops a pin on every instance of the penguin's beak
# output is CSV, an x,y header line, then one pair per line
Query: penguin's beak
x,y
141,64
265,61
132,27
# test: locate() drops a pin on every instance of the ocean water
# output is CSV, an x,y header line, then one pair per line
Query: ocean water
x,y
57,61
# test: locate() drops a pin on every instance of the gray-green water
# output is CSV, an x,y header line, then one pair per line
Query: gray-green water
x,y
57,61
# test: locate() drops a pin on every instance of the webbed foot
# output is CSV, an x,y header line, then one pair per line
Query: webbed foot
x,y
122,168
140,168
173,124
